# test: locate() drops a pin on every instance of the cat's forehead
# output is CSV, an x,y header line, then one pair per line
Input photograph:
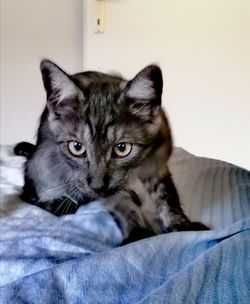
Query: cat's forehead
x,y
92,79
100,89
103,89
103,106
104,93
103,99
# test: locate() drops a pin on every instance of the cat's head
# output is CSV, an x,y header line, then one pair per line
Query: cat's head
x,y
103,126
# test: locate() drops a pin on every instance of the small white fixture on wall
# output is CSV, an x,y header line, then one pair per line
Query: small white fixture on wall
x,y
99,16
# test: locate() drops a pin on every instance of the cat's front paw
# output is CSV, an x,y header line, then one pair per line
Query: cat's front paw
x,y
188,226
137,234
197,226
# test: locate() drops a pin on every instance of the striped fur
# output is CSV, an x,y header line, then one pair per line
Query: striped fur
x,y
99,111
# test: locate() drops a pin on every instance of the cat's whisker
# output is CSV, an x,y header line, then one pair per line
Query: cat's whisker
x,y
76,193
67,207
71,207
47,204
57,209
58,190
66,202
59,206
60,186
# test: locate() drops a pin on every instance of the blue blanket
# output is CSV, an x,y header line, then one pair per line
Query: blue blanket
x,y
76,258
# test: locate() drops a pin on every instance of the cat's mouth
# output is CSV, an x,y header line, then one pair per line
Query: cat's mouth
x,y
87,199
105,192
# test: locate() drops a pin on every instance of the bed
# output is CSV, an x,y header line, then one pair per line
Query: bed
x,y
77,258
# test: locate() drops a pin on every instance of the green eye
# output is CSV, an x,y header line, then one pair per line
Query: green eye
x,y
76,148
122,149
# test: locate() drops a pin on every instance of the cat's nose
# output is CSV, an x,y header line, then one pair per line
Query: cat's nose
x,y
98,185
100,190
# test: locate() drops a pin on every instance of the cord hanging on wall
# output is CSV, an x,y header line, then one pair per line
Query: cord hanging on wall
x,y
99,16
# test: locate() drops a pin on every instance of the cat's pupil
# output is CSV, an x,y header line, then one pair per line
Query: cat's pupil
x,y
121,147
77,146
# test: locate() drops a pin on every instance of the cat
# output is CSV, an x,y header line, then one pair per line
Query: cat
x,y
103,137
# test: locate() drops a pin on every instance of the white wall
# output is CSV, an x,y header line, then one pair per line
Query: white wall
x,y
31,30
203,48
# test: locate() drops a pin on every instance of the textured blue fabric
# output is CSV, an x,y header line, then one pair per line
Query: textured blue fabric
x,y
76,258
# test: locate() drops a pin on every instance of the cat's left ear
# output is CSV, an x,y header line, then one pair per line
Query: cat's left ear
x,y
144,91
57,83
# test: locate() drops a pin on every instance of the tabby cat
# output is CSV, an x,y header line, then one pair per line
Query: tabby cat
x,y
103,137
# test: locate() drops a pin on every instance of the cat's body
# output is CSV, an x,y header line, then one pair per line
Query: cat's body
x,y
102,137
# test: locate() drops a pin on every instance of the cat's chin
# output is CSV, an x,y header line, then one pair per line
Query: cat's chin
x,y
87,199
107,192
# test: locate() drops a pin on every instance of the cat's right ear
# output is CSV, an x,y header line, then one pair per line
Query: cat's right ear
x,y
57,83
143,92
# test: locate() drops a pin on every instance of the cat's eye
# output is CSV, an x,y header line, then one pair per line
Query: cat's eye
x,y
76,148
122,149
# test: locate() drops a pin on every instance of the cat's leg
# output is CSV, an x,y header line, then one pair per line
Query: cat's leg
x,y
171,214
29,193
124,207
